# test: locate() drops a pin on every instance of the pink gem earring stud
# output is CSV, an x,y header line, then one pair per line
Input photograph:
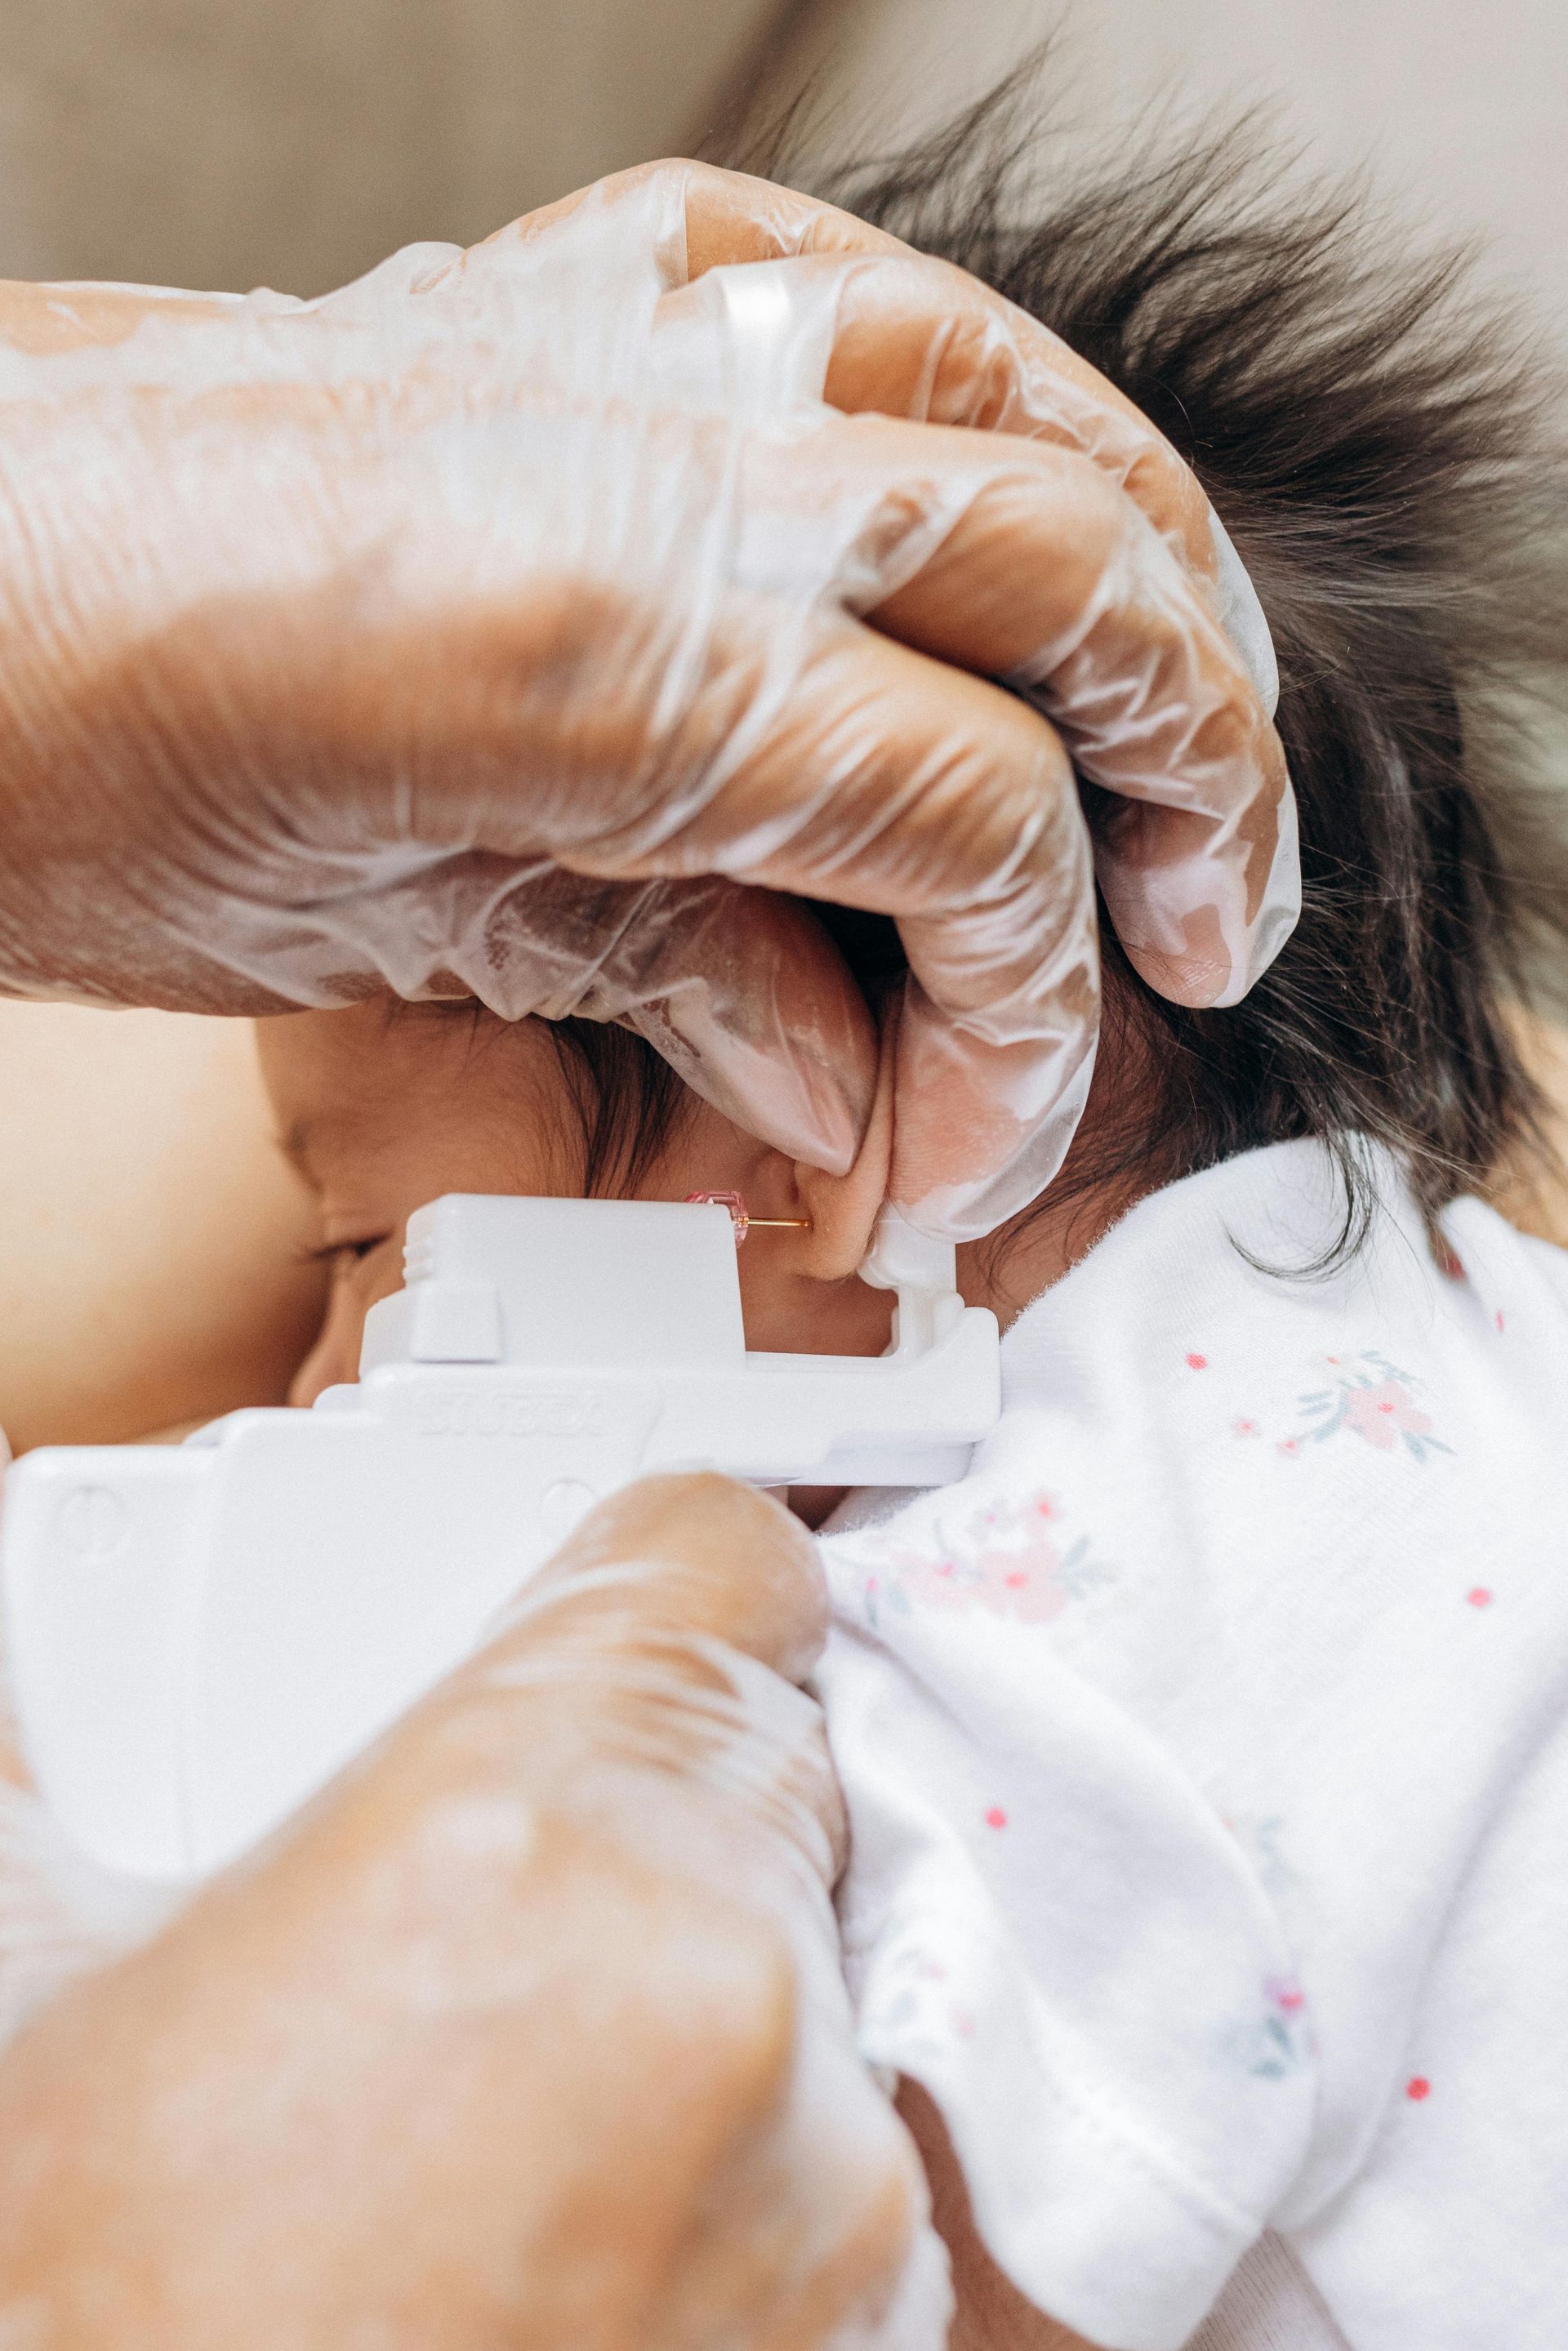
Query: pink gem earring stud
x,y
741,1218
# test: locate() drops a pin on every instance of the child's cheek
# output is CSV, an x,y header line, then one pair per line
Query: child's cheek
x,y
335,1357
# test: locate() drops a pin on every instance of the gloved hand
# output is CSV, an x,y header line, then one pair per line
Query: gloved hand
x,y
529,2032
482,627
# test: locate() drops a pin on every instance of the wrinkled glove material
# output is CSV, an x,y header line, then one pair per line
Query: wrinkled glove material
x,y
568,616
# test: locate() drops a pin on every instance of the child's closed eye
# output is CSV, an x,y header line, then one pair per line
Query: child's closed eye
x,y
343,1255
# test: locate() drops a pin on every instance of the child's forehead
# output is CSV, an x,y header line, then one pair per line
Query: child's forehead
x,y
352,1080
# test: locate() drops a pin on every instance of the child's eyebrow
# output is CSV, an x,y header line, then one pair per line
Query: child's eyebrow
x,y
295,1144
335,1125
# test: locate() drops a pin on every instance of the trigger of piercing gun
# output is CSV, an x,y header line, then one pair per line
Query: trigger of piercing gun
x,y
741,1218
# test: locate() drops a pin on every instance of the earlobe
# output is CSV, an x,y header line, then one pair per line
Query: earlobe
x,y
843,1208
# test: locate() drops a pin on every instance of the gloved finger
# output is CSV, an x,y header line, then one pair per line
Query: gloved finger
x,y
723,1563
883,782
858,2268
49,319
911,336
726,1562
739,989
669,1631
951,807
1052,577
1049,571
716,216
869,775
1156,705
1012,558
746,996
918,338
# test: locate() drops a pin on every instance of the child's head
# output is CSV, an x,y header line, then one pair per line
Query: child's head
x,y
1384,449
1375,448
388,1105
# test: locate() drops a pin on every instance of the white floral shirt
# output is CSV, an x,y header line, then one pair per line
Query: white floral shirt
x,y
1207,1757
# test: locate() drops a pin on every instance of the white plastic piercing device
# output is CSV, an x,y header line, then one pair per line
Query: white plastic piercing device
x,y
200,1635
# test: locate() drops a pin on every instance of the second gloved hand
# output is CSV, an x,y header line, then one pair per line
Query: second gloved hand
x,y
530,2029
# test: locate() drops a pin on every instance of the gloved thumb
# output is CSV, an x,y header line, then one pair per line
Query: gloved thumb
x,y
722,1560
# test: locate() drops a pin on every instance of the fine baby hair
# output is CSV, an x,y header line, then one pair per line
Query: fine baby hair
x,y
1375,438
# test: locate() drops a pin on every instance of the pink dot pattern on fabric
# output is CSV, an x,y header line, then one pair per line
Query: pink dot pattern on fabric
x,y
1480,1598
1417,2087
996,1818
1197,1363
1286,1993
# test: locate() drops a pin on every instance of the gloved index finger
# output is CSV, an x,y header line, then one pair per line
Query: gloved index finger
x,y
911,336
915,337
919,338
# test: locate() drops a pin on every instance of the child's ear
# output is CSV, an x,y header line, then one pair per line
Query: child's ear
x,y
843,1208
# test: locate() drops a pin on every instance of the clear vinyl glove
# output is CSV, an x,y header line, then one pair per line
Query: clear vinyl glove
x,y
529,2030
543,622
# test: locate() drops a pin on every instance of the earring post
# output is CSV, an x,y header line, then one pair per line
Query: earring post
x,y
741,1218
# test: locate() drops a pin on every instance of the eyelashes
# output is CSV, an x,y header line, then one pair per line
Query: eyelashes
x,y
341,1255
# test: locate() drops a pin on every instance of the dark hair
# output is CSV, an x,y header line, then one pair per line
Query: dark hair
x,y
1377,440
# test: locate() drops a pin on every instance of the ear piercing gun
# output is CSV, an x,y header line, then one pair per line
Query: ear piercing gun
x,y
184,1675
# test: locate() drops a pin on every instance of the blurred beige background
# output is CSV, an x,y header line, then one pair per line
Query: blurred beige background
x,y
295,142
228,143
1460,106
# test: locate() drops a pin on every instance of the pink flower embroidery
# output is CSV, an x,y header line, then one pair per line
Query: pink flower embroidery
x,y
1384,1414
1010,1562
1021,1583
1372,1399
